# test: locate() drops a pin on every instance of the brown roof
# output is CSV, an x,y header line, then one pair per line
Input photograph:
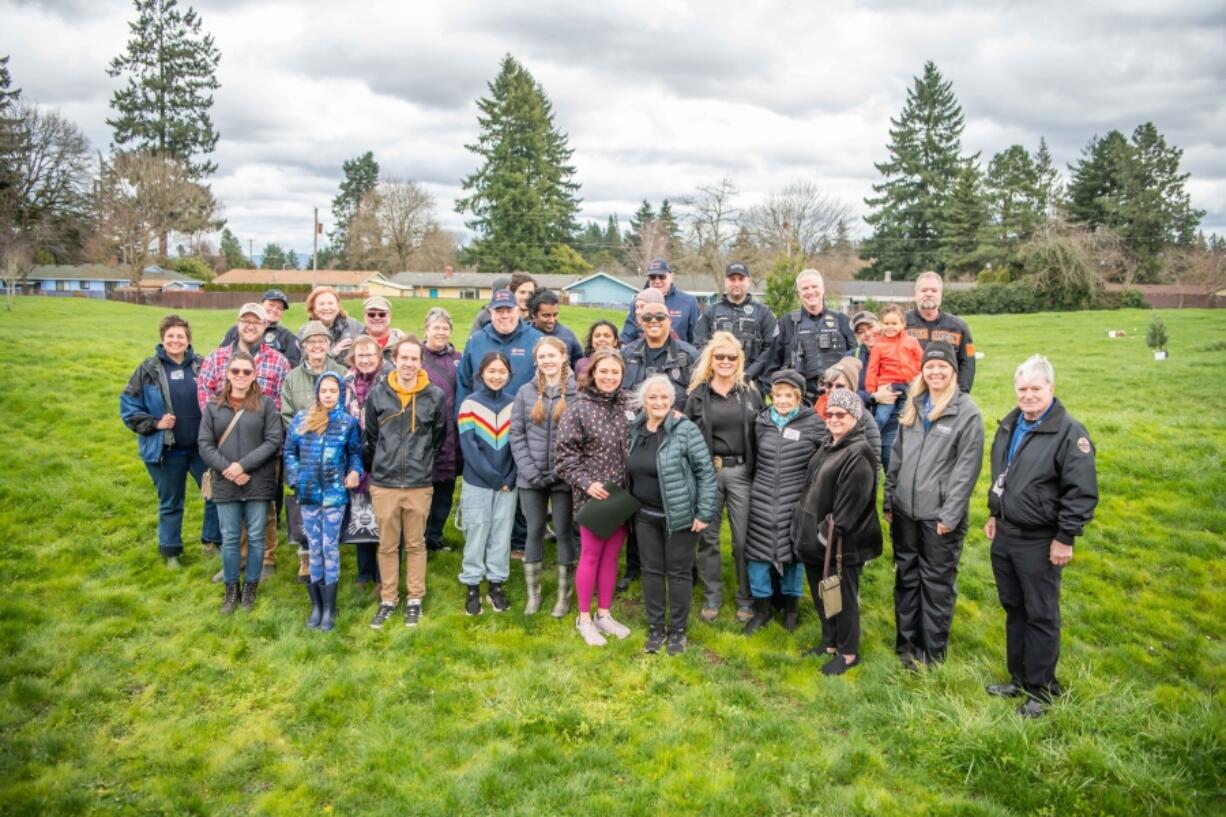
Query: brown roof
x,y
270,277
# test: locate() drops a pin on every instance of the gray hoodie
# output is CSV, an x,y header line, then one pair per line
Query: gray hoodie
x,y
932,473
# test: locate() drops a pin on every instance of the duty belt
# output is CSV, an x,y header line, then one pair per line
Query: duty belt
x,y
721,462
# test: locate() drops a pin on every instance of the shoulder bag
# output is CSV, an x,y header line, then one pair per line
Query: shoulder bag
x,y
206,482
831,587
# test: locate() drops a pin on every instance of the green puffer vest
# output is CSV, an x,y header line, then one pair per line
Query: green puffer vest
x,y
687,477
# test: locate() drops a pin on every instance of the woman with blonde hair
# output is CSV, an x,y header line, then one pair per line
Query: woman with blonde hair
x,y
935,462
724,406
324,305
538,410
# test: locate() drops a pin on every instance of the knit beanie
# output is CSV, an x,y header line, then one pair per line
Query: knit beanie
x,y
940,350
849,401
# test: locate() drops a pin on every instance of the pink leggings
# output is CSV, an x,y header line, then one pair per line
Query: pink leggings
x,y
597,567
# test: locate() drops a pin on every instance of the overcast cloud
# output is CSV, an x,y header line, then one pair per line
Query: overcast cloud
x,y
657,96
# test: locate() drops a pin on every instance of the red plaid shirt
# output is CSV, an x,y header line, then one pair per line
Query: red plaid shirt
x,y
271,367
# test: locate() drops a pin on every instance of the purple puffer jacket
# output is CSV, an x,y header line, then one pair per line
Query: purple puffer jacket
x,y
593,441
441,369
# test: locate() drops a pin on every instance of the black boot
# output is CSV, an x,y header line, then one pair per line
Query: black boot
x,y
327,594
317,604
791,616
250,590
761,616
231,600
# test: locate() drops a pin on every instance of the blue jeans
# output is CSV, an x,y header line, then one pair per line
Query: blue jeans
x,y
887,416
760,580
323,535
486,518
233,516
170,479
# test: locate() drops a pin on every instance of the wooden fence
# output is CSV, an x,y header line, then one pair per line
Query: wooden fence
x,y
181,299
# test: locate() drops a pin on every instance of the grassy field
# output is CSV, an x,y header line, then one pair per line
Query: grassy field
x,y
122,691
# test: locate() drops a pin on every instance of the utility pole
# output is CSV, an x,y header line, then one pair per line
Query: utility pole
x,y
314,247
250,250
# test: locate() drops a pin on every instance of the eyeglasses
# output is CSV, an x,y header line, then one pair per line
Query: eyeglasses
x,y
652,317
242,372
837,415
726,358
251,324
829,384
316,340
376,314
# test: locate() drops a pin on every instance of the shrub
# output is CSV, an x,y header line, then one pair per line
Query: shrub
x,y
993,299
196,268
781,285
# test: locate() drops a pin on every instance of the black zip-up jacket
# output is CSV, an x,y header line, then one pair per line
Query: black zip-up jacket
x,y
1050,490
678,365
842,481
952,330
696,407
398,450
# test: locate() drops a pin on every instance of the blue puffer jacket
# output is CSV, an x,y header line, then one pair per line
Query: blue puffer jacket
x,y
517,346
316,464
145,399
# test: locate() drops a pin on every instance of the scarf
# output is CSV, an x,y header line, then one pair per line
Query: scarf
x,y
781,420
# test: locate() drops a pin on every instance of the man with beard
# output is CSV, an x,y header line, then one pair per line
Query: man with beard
x,y
927,323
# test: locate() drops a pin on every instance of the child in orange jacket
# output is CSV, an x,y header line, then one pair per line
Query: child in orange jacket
x,y
894,361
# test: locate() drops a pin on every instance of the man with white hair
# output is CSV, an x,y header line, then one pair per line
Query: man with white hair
x,y
813,338
1043,494
927,323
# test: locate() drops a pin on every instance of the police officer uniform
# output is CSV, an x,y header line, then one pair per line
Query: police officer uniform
x,y
811,344
1044,488
753,324
675,359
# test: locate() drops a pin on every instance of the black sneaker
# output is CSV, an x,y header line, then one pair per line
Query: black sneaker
x,y
472,605
381,615
676,642
412,614
498,598
655,640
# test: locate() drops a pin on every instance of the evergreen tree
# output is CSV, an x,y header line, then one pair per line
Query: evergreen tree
x,y
12,145
781,284
1049,187
273,257
1095,178
361,177
671,226
171,71
1015,206
642,219
613,237
291,260
522,199
232,250
966,217
925,161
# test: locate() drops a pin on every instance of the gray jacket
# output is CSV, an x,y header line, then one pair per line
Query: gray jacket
x,y
932,473
253,443
532,444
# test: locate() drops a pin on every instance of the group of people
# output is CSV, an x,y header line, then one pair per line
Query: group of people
x,y
785,423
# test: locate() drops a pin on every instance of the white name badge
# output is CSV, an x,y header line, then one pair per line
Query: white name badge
x,y
177,374
791,434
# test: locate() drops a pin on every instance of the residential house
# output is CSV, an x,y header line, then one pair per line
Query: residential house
x,y
346,282
465,286
76,280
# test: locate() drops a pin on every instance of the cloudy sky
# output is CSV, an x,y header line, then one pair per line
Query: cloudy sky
x,y
657,96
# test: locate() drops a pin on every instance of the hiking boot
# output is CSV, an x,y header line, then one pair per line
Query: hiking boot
x,y
1033,708
412,613
709,614
676,642
231,600
517,554
587,629
761,616
532,585
497,598
655,640
219,576
791,615
381,615
173,563
304,568
472,604
744,613
610,626
268,571
565,588
250,591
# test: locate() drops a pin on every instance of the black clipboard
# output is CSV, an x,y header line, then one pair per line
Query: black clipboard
x,y
603,516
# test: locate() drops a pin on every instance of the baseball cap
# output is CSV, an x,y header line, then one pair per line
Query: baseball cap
x,y
736,268
378,302
863,316
276,295
658,266
503,299
253,309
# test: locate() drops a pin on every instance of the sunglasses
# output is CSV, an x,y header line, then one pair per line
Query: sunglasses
x,y
653,317
658,275
376,314
837,415
726,358
242,372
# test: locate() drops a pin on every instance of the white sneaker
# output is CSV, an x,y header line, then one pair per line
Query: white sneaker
x,y
609,626
587,629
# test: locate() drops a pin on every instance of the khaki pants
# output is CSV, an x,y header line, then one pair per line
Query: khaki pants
x,y
270,538
396,510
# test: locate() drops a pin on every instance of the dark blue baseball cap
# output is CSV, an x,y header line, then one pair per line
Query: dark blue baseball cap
x,y
658,266
502,299
276,295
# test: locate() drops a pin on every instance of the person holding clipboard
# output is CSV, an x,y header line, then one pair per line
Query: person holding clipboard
x,y
590,455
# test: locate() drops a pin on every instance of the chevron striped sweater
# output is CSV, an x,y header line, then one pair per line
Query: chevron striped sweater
x,y
485,439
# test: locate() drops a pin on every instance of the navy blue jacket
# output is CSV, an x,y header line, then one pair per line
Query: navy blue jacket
x,y
517,346
146,398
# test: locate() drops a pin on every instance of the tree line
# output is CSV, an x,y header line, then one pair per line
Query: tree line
x,y
1122,214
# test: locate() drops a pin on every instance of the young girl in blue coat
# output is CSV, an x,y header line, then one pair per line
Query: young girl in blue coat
x,y
487,500
323,461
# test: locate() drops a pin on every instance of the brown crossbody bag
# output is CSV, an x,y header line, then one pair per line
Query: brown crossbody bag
x,y
206,481
831,587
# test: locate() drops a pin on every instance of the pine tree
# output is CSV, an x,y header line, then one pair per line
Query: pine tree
x,y
642,217
671,226
273,257
1050,189
925,160
1015,206
11,145
232,250
966,217
171,70
613,237
522,199
361,177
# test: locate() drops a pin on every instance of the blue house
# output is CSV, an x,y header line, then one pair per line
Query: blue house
x,y
601,289
76,280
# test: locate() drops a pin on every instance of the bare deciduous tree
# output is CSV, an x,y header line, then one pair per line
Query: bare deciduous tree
x,y
802,218
141,197
713,218
651,241
391,227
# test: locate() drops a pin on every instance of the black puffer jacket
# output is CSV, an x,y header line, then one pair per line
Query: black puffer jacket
x,y
841,480
253,443
399,445
778,483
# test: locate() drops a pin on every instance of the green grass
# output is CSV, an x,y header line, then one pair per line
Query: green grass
x,y
122,691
